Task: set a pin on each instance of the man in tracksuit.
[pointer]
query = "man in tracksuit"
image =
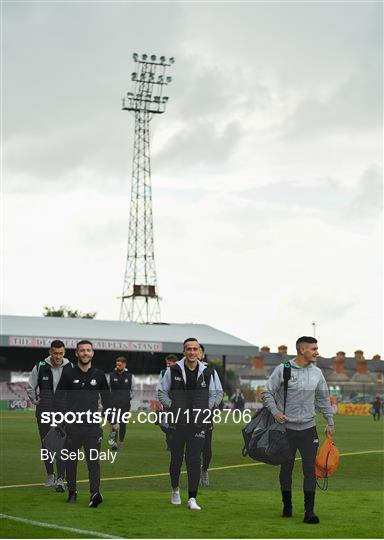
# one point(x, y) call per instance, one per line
point(41, 390)
point(207, 448)
point(122, 385)
point(170, 360)
point(187, 391)
point(79, 391)
point(307, 391)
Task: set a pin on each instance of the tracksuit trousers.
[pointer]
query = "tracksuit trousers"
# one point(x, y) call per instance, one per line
point(88, 437)
point(60, 464)
point(188, 440)
point(306, 442)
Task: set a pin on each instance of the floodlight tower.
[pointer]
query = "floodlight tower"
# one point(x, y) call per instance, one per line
point(140, 301)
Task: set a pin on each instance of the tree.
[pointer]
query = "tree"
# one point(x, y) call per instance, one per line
point(65, 311)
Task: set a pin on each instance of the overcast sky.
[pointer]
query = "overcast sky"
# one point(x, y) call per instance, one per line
point(266, 167)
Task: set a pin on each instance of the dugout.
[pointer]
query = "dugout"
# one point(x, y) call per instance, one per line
point(25, 340)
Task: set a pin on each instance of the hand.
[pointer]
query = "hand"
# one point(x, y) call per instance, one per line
point(330, 431)
point(115, 426)
point(280, 418)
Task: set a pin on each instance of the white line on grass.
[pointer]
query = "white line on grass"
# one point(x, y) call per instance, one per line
point(157, 475)
point(59, 527)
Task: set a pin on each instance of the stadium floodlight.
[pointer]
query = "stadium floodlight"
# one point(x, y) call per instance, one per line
point(172, 60)
point(169, 79)
point(140, 301)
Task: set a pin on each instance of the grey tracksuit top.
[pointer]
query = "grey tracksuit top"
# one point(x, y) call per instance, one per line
point(307, 393)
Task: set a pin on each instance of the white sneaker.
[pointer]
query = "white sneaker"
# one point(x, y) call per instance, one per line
point(175, 498)
point(192, 504)
point(50, 481)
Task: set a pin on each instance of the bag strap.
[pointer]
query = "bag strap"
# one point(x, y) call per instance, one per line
point(286, 377)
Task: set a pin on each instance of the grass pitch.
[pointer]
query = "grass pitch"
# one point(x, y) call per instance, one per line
point(243, 500)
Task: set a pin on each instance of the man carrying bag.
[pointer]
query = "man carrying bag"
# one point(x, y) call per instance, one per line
point(307, 390)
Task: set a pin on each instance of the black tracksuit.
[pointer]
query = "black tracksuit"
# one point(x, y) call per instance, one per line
point(79, 392)
point(121, 387)
point(188, 437)
point(48, 403)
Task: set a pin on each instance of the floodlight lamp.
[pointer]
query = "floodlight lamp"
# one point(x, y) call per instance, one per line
point(165, 99)
point(134, 76)
point(169, 79)
point(135, 56)
point(157, 99)
point(160, 79)
point(172, 60)
point(153, 58)
point(144, 56)
point(162, 59)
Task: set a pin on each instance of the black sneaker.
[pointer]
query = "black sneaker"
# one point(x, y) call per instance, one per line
point(95, 500)
point(310, 517)
point(287, 511)
point(72, 497)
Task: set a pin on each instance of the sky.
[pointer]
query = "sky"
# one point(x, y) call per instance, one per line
point(266, 166)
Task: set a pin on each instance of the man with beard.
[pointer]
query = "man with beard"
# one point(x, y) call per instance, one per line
point(79, 392)
point(122, 385)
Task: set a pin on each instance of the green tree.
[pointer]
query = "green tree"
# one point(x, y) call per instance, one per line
point(65, 311)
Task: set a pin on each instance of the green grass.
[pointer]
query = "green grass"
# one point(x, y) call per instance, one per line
point(242, 502)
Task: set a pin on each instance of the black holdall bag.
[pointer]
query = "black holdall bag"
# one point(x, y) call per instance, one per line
point(264, 439)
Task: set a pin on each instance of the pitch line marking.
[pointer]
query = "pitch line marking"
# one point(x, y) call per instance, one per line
point(157, 475)
point(59, 527)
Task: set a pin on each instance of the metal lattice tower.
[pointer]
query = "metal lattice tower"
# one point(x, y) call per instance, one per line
point(140, 301)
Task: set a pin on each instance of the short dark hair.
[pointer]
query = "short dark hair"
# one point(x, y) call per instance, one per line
point(305, 339)
point(190, 339)
point(121, 359)
point(202, 347)
point(171, 358)
point(57, 344)
point(84, 342)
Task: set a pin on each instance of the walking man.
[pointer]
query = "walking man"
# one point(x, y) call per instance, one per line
point(307, 390)
point(79, 391)
point(376, 407)
point(170, 360)
point(207, 448)
point(122, 385)
point(41, 390)
point(187, 391)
